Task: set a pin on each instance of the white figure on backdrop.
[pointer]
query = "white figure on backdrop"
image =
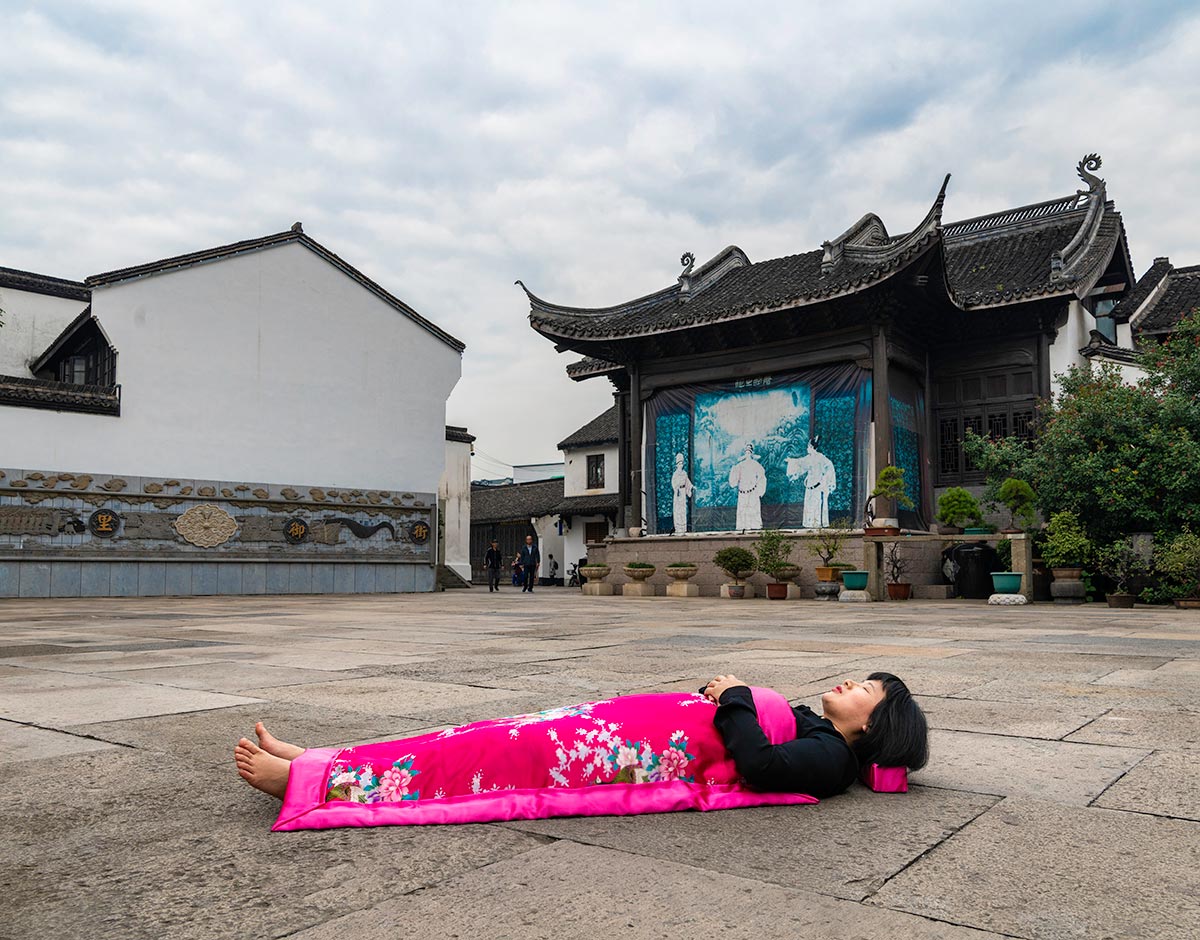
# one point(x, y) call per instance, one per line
point(820, 480)
point(682, 488)
point(750, 480)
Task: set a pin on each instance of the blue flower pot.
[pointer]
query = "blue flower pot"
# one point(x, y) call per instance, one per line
point(1007, 582)
point(855, 580)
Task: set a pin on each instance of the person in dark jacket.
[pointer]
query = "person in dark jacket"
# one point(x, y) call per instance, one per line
point(492, 562)
point(530, 558)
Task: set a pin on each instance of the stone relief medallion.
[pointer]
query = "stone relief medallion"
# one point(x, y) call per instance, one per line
point(419, 532)
point(206, 525)
point(104, 523)
point(295, 530)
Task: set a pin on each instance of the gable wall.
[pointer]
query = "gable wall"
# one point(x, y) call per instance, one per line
point(31, 323)
point(272, 366)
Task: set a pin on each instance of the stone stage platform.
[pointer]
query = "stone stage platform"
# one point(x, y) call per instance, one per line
point(1062, 799)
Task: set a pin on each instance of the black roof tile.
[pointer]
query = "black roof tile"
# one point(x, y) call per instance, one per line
point(44, 284)
point(515, 502)
point(1181, 296)
point(1141, 290)
point(602, 429)
point(600, 504)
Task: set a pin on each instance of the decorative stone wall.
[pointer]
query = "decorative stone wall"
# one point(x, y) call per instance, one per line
point(77, 534)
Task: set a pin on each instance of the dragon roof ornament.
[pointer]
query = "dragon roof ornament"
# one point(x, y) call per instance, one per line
point(1065, 263)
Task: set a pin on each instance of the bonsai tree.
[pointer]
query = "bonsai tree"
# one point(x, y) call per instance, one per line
point(958, 508)
point(888, 485)
point(1018, 497)
point(1067, 545)
point(829, 541)
point(736, 562)
point(1121, 561)
point(894, 563)
point(1179, 561)
point(772, 551)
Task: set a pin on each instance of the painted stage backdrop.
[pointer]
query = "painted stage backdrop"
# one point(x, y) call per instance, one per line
point(787, 450)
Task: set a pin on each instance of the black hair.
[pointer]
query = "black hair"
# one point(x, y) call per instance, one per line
point(897, 734)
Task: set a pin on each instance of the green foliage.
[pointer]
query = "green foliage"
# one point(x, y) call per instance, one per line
point(638, 564)
point(957, 507)
point(890, 485)
point(772, 550)
point(1004, 550)
point(1121, 561)
point(1018, 497)
point(829, 541)
point(1178, 562)
point(735, 562)
point(1067, 545)
point(682, 564)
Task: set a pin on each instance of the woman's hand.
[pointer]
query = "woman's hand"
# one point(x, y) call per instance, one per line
point(718, 684)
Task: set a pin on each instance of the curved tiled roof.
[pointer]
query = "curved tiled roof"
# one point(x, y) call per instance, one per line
point(602, 429)
point(1141, 291)
point(515, 502)
point(599, 504)
point(589, 366)
point(1177, 295)
point(43, 284)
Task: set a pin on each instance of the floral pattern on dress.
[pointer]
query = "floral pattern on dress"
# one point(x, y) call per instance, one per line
point(638, 762)
point(361, 784)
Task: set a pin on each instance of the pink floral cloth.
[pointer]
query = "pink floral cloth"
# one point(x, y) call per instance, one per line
point(633, 754)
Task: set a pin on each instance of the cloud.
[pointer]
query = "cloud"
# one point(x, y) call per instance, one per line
point(449, 149)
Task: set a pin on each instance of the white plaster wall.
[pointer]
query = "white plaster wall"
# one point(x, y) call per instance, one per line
point(1125, 335)
point(1064, 351)
point(575, 473)
point(454, 490)
point(31, 323)
point(574, 546)
point(269, 367)
point(549, 543)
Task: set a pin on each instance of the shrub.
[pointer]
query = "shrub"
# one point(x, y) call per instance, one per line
point(682, 564)
point(829, 541)
point(957, 507)
point(772, 551)
point(1018, 497)
point(735, 562)
point(1067, 546)
point(1120, 561)
point(638, 564)
point(890, 485)
point(1004, 550)
point(1178, 561)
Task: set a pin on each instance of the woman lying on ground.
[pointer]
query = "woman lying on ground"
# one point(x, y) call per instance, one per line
point(728, 746)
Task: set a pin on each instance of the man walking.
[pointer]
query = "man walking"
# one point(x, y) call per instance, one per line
point(530, 558)
point(491, 561)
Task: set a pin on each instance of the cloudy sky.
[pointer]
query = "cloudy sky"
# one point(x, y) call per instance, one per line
point(447, 149)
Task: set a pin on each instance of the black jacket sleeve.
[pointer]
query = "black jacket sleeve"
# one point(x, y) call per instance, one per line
point(819, 763)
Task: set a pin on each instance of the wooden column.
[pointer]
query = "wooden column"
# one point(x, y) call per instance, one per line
point(881, 409)
point(1045, 339)
point(622, 402)
point(635, 445)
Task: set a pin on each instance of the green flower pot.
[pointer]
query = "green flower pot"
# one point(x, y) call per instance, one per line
point(1006, 582)
point(977, 530)
point(855, 580)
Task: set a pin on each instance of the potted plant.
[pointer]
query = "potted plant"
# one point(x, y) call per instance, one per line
point(826, 546)
point(855, 579)
point(1018, 497)
point(772, 551)
point(594, 572)
point(895, 565)
point(889, 485)
point(738, 563)
point(681, 570)
point(1179, 561)
point(957, 508)
point(839, 570)
point(1066, 549)
point(1121, 561)
point(638, 570)
point(1006, 581)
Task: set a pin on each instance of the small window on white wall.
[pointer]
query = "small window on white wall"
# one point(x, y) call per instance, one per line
point(595, 472)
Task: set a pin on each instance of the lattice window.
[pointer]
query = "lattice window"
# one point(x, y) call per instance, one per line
point(595, 472)
point(948, 445)
point(997, 425)
point(1023, 425)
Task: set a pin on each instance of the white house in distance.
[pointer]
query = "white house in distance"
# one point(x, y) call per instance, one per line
point(259, 417)
point(589, 507)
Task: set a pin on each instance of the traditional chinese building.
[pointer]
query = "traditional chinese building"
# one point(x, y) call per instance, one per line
point(771, 393)
point(260, 417)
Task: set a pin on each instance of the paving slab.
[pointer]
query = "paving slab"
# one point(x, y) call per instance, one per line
point(1007, 718)
point(21, 743)
point(1073, 774)
point(1167, 783)
point(822, 850)
point(580, 892)
point(208, 737)
point(102, 661)
point(1161, 728)
point(222, 676)
point(100, 861)
point(1029, 868)
point(56, 700)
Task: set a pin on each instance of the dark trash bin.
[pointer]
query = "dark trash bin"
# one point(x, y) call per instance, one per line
point(969, 566)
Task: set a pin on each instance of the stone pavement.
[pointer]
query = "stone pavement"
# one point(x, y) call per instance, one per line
point(1062, 799)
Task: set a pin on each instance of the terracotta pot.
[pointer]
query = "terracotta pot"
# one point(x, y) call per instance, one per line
point(882, 530)
point(680, 572)
point(1121, 600)
point(899, 592)
point(638, 574)
point(736, 591)
point(949, 529)
point(1187, 603)
point(826, 574)
point(1011, 531)
point(777, 592)
point(1067, 574)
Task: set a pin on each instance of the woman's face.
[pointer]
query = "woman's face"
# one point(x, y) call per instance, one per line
point(850, 704)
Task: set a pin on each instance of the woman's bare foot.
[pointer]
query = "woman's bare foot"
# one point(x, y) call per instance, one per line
point(272, 745)
point(261, 770)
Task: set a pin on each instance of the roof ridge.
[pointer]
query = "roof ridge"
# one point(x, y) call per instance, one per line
point(1031, 213)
